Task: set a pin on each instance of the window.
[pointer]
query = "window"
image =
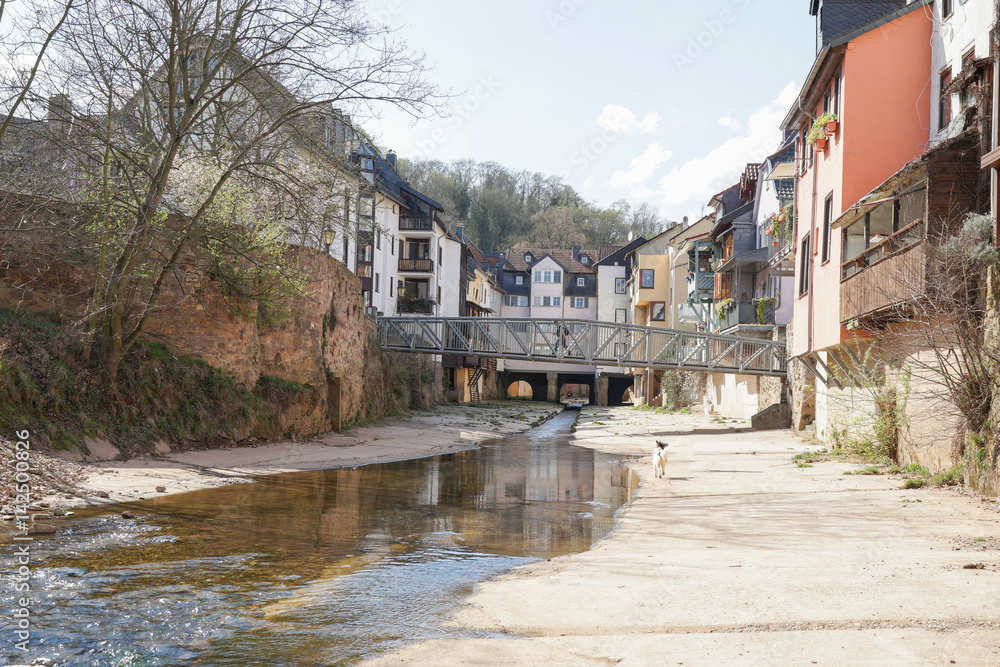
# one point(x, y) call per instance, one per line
point(439, 295)
point(440, 251)
point(527, 258)
point(584, 259)
point(581, 281)
point(806, 264)
point(390, 289)
point(537, 301)
point(836, 93)
point(581, 302)
point(947, 7)
point(517, 301)
point(658, 310)
point(827, 227)
point(546, 301)
point(519, 280)
point(548, 276)
point(392, 245)
point(944, 104)
point(646, 278)
point(557, 301)
point(376, 282)
point(378, 242)
point(620, 285)
point(620, 315)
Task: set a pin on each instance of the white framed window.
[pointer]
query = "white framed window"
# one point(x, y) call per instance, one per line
point(557, 301)
point(546, 301)
point(581, 281)
point(376, 282)
point(519, 280)
point(557, 276)
point(620, 315)
point(619, 285)
point(580, 302)
point(538, 276)
point(537, 301)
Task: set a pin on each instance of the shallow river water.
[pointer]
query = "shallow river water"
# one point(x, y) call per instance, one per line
point(317, 568)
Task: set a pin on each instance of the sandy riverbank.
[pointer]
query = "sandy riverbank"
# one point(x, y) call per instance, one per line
point(440, 430)
point(741, 557)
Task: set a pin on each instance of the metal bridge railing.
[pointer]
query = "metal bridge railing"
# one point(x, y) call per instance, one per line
point(582, 342)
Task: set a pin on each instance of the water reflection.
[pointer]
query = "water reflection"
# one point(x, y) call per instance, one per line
point(323, 567)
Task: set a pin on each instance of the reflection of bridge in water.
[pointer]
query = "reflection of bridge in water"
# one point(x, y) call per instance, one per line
point(583, 342)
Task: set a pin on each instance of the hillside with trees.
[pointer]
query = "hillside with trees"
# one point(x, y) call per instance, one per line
point(500, 207)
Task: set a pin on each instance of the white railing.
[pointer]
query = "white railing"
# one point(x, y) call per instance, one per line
point(582, 342)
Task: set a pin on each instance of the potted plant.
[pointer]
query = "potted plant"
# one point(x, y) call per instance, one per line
point(722, 308)
point(763, 305)
point(821, 143)
point(818, 130)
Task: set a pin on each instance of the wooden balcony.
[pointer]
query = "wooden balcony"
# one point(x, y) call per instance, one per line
point(884, 280)
point(416, 266)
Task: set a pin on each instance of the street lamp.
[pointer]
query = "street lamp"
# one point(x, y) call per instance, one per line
point(328, 236)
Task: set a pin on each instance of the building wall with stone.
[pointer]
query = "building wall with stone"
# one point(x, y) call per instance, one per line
point(324, 341)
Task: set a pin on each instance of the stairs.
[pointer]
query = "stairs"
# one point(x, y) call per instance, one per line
point(485, 365)
point(474, 384)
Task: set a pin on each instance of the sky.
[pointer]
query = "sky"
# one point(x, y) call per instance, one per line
point(656, 101)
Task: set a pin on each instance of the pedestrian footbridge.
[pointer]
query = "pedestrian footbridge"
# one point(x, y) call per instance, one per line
point(582, 342)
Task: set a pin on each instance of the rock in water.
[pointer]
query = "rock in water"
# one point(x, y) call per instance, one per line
point(41, 529)
point(161, 489)
point(127, 515)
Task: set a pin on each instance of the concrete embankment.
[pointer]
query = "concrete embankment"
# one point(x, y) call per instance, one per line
point(742, 557)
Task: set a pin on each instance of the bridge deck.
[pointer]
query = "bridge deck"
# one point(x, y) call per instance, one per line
point(582, 342)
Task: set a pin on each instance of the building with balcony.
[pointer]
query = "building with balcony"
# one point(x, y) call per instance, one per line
point(871, 198)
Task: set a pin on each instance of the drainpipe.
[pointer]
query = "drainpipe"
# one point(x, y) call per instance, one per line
point(813, 244)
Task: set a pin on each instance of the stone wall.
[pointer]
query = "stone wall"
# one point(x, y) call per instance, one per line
point(325, 342)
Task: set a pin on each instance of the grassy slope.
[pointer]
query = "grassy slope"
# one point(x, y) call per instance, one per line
point(45, 386)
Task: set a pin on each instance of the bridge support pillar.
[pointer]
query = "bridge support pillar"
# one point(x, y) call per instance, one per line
point(553, 393)
point(602, 391)
point(650, 386)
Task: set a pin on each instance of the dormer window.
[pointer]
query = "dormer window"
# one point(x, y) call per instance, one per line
point(527, 258)
point(584, 259)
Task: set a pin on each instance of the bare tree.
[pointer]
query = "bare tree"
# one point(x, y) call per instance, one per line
point(217, 126)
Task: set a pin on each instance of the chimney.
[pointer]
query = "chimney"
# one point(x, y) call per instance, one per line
point(685, 222)
point(576, 252)
point(59, 108)
point(390, 157)
point(459, 229)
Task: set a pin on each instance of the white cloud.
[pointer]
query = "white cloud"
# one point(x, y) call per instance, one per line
point(688, 187)
point(623, 121)
point(641, 168)
point(727, 121)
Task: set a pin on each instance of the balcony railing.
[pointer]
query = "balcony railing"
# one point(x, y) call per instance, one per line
point(890, 279)
point(745, 312)
point(412, 306)
point(416, 265)
point(411, 224)
point(704, 287)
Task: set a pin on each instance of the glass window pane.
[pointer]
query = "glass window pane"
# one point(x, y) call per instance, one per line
point(911, 208)
point(881, 222)
point(855, 242)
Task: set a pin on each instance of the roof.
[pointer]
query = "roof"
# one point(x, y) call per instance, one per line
point(619, 254)
point(606, 251)
point(726, 221)
point(841, 17)
point(564, 257)
point(393, 186)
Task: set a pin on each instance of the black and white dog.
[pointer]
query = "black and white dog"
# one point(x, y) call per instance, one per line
point(660, 459)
